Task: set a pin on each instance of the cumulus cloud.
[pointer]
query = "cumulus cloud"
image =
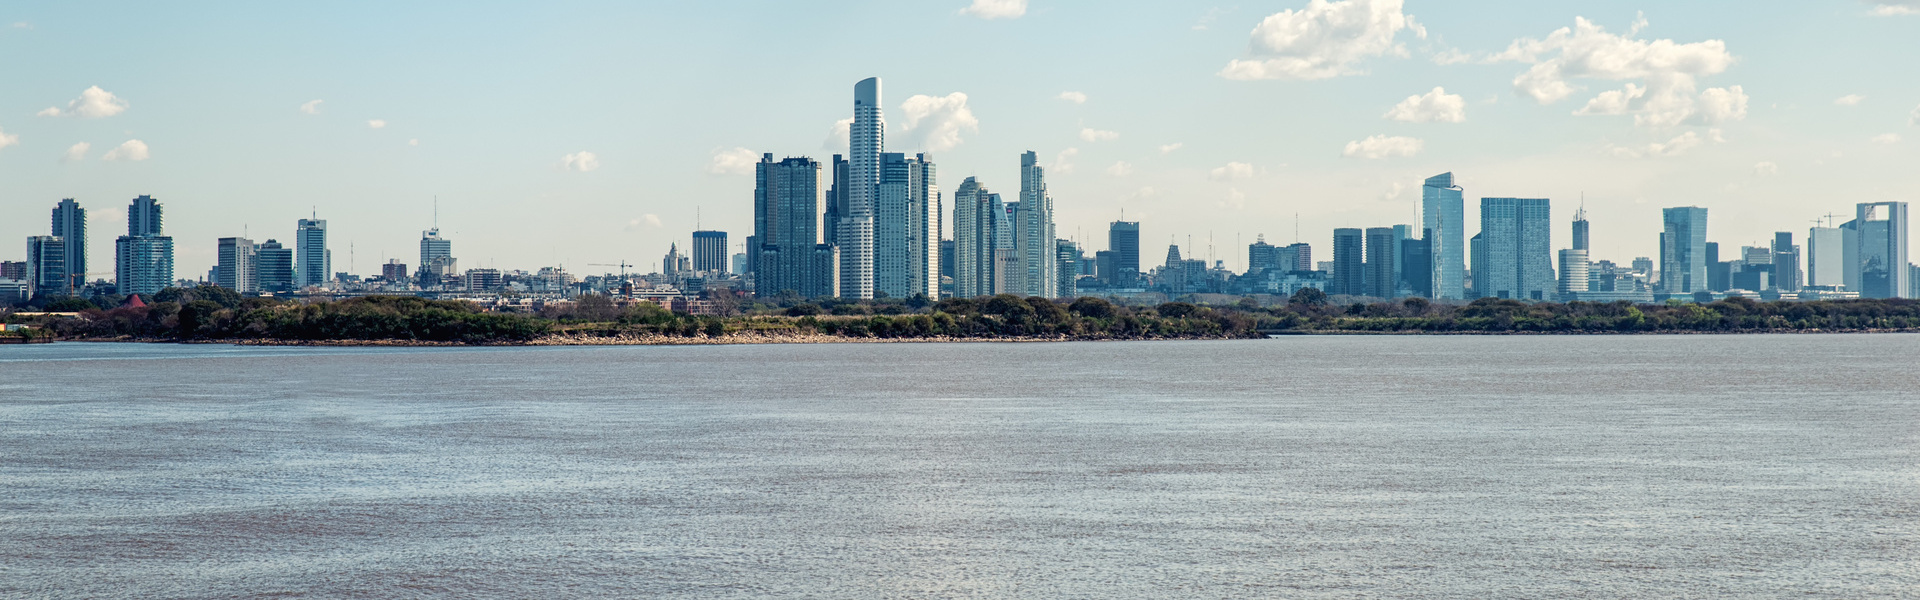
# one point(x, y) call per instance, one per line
point(376, 123)
point(8, 139)
point(1673, 147)
point(1765, 169)
point(651, 219)
point(1074, 97)
point(737, 161)
point(93, 103)
point(1381, 146)
point(76, 152)
point(1120, 169)
point(1849, 100)
point(934, 123)
point(1325, 39)
point(1887, 138)
point(1669, 94)
point(839, 136)
point(579, 162)
point(1097, 135)
point(1236, 199)
point(996, 9)
point(1889, 8)
point(1230, 172)
point(1169, 148)
point(1436, 106)
point(311, 107)
point(1063, 162)
point(413, 142)
point(135, 150)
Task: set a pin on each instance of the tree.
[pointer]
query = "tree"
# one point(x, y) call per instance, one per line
point(1176, 310)
point(1088, 306)
point(1309, 297)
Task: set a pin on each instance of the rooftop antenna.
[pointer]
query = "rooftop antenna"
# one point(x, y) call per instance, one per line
point(436, 212)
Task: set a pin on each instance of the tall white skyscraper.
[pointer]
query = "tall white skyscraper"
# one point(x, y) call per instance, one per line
point(866, 140)
point(906, 230)
point(1443, 224)
point(1034, 236)
point(980, 240)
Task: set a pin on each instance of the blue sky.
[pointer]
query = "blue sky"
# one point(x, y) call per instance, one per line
point(567, 133)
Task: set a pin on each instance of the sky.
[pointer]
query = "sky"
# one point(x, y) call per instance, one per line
point(580, 134)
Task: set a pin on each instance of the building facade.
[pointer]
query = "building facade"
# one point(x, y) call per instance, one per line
point(70, 225)
point(1123, 239)
point(1683, 250)
point(1034, 236)
point(866, 140)
point(710, 252)
point(47, 266)
point(1443, 224)
point(1349, 262)
point(274, 265)
point(236, 269)
point(981, 240)
point(314, 266)
point(786, 244)
point(1516, 239)
point(906, 227)
point(143, 258)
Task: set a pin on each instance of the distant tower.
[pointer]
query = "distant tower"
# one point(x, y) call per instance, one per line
point(785, 251)
point(1035, 234)
point(710, 251)
point(143, 258)
point(70, 225)
point(1443, 222)
point(314, 264)
point(1683, 250)
point(1574, 261)
point(866, 140)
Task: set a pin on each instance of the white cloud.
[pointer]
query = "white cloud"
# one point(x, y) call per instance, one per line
point(76, 152)
point(1765, 169)
point(1325, 39)
point(1169, 148)
point(413, 142)
point(1436, 106)
point(377, 123)
point(1232, 171)
point(131, 150)
point(580, 162)
point(1669, 70)
point(1914, 117)
point(996, 9)
point(1381, 146)
point(1074, 97)
point(1236, 199)
point(1120, 169)
point(1889, 8)
point(1849, 100)
point(934, 122)
point(22, 25)
point(1451, 56)
point(93, 103)
point(1887, 138)
point(738, 161)
point(1674, 147)
point(839, 136)
point(1143, 193)
point(8, 139)
point(311, 107)
point(651, 219)
point(1097, 135)
point(1063, 162)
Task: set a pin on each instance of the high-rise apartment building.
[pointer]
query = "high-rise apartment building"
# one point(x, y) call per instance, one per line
point(836, 201)
point(70, 225)
point(1516, 240)
point(237, 269)
point(1574, 261)
point(982, 240)
point(1382, 256)
point(314, 265)
point(710, 252)
point(1349, 262)
point(1443, 222)
point(274, 266)
point(436, 259)
point(1035, 235)
point(786, 246)
point(1123, 239)
point(1786, 262)
point(1826, 257)
point(47, 267)
point(1067, 265)
point(393, 270)
point(1683, 250)
point(906, 236)
point(866, 140)
point(143, 258)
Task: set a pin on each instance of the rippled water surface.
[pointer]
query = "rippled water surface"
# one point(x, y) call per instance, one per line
point(1305, 467)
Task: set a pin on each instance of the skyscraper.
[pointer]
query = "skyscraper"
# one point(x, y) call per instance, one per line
point(786, 244)
point(710, 251)
point(143, 258)
point(70, 225)
point(47, 266)
point(1880, 234)
point(1443, 223)
point(274, 266)
point(1034, 238)
point(905, 236)
point(866, 140)
point(1068, 268)
point(1517, 242)
point(315, 263)
point(1826, 259)
point(1786, 262)
point(980, 239)
point(237, 269)
point(1683, 250)
point(1574, 261)
point(1349, 262)
point(1382, 253)
point(836, 201)
point(436, 259)
point(1123, 238)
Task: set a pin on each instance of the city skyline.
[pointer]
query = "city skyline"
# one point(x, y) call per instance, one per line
point(1271, 143)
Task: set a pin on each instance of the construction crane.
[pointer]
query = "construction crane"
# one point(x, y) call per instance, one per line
point(623, 267)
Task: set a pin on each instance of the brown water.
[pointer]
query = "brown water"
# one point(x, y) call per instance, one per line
point(1305, 467)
